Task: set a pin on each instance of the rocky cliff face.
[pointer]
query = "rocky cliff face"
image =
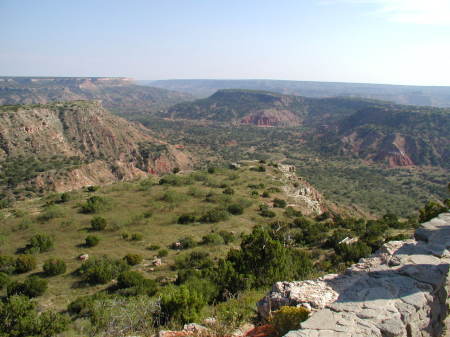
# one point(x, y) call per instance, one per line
point(401, 290)
point(394, 135)
point(108, 148)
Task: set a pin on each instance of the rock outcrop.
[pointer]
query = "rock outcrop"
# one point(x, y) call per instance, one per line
point(300, 193)
point(401, 290)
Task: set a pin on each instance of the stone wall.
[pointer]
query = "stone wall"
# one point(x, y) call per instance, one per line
point(401, 290)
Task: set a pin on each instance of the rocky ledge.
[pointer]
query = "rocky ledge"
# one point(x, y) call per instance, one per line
point(401, 290)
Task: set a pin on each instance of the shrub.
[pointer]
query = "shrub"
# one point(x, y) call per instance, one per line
point(54, 267)
point(235, 209)
point(288, 318)
point(292, 213)
point(215, 215)
point(234, 312)
point(80, 304)
point(279, 203)
point(51, 212)
point(137, 283)
point(7, 264)
point(431, 210)
point(217, 198)
point(194, 261)
point(101, 270)
point(94, 204)
point(265, 194)
point(133, 259)
point(5, 203)
point(181, 304)
point(266, 213)
point(25, 263)
point(98, 223)
point(175, 180)
point(128, 279)
point(212, 239)
point(211, 170)
point(273, 189)
point(33, 286)
point(258, 169)
point(154, 247)
point(92, 188)
point(39, 243)
point(175, 170)
point(227, 237)
point(186, 219)
point(173, 197)
point(19, 318)
point(185, 243)
point(136, 237)
point(65, 197)
point(147, 214)
point(228, 191)
point(4, 280)
point(353, 252)
point(91, 241)
point(163, 253)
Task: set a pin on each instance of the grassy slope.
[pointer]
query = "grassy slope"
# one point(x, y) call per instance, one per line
point(127, 202)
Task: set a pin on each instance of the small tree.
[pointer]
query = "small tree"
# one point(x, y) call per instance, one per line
point(98, 223)
point(54, 267)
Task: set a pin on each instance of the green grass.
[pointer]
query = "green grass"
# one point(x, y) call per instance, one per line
point(129, 206)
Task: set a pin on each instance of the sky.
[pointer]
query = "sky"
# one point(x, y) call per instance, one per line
point(366, 41)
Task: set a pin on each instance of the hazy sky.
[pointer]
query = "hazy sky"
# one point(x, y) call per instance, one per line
point(378, 41)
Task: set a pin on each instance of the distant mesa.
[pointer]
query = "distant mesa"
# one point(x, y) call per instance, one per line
point(120, 94)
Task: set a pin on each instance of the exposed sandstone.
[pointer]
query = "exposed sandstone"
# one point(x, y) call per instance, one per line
point(300, 193)
point(401, 290)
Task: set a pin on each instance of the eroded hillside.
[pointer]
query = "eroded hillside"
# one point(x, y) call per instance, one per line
point(63, 146)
